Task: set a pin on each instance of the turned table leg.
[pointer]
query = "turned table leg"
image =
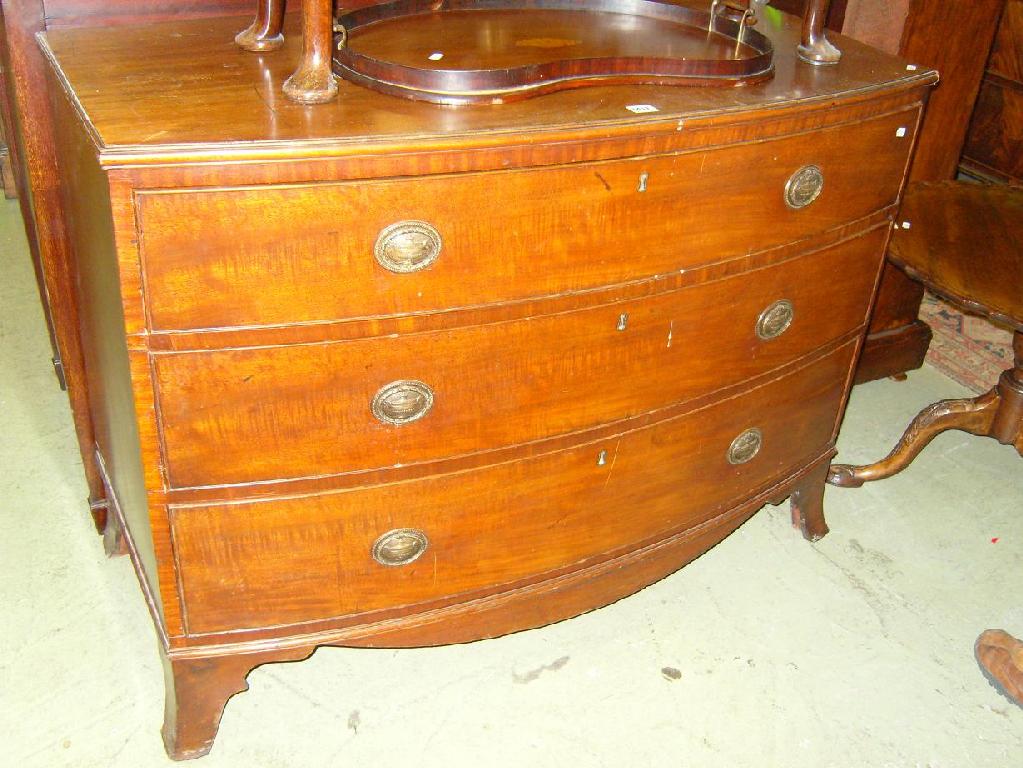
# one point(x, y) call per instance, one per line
point(264, 34)
point(807, 504)
point(314, 81)
point(1007, 424)
point(197, 690)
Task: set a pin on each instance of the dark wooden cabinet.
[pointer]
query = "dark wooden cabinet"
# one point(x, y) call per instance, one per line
point(994, 143)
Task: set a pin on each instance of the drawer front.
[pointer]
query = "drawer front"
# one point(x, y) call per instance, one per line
point(288, 254)
point(291, 560)
point(235, 416)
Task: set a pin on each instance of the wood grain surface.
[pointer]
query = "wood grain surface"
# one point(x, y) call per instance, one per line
point(266, 413)
point(994, 142)
point(942, 247)
point(187, 83)
point(293, 560)
point(954, 37)
point(231, 257)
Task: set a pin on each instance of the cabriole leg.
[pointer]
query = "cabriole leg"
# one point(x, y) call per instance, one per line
point(997, 414)
point(815, 47)
point(314, 81)
point(264, 34)
point(974, 415)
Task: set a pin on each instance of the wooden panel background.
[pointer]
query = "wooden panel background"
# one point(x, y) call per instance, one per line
point(994, 144)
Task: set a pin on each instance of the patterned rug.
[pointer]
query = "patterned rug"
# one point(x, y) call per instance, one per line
point(967, 349)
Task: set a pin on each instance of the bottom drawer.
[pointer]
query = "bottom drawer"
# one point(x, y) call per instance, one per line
point(292, 560)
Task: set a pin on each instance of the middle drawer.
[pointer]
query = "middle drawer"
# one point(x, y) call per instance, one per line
point(267, 413)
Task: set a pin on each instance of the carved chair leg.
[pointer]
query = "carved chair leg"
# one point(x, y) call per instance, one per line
point(264, 34)
point(197, 690)
point(314, 81)
point(807, 504)
point(974, 415)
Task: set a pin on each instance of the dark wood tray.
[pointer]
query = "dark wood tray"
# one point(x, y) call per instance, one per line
point(493, 51)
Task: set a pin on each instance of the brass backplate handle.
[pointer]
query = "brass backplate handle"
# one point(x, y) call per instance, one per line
point(775, 320)
point(400, 547)
point(407, 246)
point(402, 402)
point(745, 446)
point(804, 186)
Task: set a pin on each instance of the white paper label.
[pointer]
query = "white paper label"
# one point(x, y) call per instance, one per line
point(642, 109)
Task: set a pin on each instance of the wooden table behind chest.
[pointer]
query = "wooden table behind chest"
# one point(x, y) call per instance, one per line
point(382, 373)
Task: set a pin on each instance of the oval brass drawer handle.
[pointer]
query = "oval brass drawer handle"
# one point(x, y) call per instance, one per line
point(745, 446)
point(402, 402)
point(407, 246)
point(804, 186)
point(775, 320)
point(400, 547)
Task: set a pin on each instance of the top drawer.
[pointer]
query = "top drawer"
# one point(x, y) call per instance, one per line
point(287, 254)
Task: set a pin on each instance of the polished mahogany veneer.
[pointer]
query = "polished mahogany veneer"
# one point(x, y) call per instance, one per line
point(383, 373)
point(559, 373)
point(530, 249)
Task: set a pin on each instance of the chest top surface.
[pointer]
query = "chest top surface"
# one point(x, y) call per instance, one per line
point(167, 90)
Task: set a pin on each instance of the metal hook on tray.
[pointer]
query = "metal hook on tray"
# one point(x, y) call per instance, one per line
point(713, 14)
point(748, 18)
point(739, 11)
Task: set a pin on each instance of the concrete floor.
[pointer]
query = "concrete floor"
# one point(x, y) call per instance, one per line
point(767, 651)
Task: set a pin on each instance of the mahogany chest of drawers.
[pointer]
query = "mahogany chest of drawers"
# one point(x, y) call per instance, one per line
point(387, 374)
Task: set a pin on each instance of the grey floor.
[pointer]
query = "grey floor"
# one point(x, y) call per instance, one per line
point(767, 651)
